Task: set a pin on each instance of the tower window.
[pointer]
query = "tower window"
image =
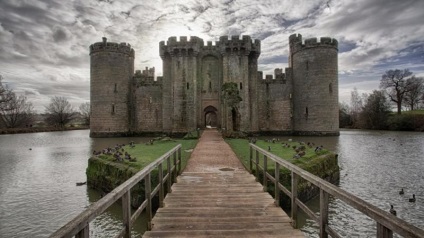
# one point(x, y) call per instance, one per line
point(307, 65)
point(116, 88)
point(210, 86)
point(113, 109)
point(330, 87)
point(306, 112)
point(241, 85)
point(188, 86)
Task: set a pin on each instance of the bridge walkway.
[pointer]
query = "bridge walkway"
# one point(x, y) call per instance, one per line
point(216, 197)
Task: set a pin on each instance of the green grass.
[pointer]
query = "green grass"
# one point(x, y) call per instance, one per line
point(241, 148)
point(414, 112)
point(146, 154)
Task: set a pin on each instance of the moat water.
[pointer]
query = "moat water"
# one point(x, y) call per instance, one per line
point(39, 172)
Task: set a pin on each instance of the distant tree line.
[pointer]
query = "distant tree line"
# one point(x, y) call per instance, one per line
point(17, 112)
point(399, 88)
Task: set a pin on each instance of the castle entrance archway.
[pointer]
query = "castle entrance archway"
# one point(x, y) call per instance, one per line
point(211, 117)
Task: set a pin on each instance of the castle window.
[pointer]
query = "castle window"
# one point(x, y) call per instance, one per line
point(113, 109)
point(307, 65)
point(306, 112)
point(188, 86)
point(241, 85)
point(210, 86)
point(178, 64)
point(330, 88)
point(116, 88)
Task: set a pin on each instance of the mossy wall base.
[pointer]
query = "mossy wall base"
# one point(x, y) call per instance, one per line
point(105, 176)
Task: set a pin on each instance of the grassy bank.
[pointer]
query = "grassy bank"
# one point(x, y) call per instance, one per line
point(39, 129)
point(241, 148)
point(104, 173)
point(323, 164)
point(146, 153)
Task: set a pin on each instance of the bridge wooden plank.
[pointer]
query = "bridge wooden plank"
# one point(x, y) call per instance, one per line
point(217, 197)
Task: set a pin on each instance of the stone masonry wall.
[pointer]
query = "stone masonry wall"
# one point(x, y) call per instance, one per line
point(315, 85)
point(112, 67)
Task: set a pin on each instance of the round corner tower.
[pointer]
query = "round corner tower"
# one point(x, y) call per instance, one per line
point(315, 85)
point(111, 71)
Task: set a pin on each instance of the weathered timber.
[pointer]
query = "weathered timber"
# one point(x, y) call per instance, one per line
point(216, 197)
point(206, 205)
point(79, 226)
point(387, 224)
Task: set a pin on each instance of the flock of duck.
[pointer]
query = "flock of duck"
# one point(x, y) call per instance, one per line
point(401, 192)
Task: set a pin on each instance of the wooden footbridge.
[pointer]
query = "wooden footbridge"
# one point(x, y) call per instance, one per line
point(216, 197)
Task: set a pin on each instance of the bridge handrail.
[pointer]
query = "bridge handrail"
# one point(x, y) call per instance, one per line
point(79, 226)
point(386, 222)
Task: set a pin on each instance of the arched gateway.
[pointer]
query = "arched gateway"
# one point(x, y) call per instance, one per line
point(211, 117)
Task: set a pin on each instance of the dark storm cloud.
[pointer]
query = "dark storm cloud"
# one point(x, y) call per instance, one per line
point(44, 44)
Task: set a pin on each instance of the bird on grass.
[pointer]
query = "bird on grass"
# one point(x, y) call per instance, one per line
point(392, 210)
point(412, 199)
point(401, 192)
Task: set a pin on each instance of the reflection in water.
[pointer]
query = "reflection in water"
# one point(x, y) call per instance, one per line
point(375, 165)
point(38, 176)
point(38, 192)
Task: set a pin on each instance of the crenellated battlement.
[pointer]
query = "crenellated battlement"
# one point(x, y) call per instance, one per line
point(146, 77)
point(232, 44)
point(278, 77)
point(296, 43)
point(105, 46)
point(236, 44)
point(183, 46)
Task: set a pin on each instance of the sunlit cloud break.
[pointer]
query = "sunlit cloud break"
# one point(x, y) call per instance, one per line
point(44, 44)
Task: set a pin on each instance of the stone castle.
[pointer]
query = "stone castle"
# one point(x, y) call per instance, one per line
point(302, 100)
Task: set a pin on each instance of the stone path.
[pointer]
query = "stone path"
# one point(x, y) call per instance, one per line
point(216, 197)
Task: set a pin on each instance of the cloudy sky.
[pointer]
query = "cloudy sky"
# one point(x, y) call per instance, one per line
point(44, 43)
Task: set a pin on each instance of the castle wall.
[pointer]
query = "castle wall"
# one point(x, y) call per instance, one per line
point(149, 106)
point(274, 103)
point(239, 68)
point(315, 85)
point(210, 82)
point(111, 70)
point(303, 100)
point(181, 75)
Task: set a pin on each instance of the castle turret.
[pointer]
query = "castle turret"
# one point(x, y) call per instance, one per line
point(111, 71)
point(179, 83)
point(315, 85)
point(240, 65)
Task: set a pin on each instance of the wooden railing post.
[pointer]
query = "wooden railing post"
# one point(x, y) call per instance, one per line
point(161, 186)
point(265, 171)
point(126, 213)
point(84, 233)
point(250, 159)
point(383, 232)
point(257, 165)
point(179, 161)
point(323, 211)
point(276, 187)
point(174, 174)
point(294, 183)
point(148, 190)
point(169, 174)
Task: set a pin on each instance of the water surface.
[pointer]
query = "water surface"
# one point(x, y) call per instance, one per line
point(39, 172)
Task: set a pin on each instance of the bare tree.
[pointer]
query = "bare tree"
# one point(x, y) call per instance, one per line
point(5, 94)
point(396, 84)
point(85, 112)
point(415, 92)
point(17, 112)
point(59, 111)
